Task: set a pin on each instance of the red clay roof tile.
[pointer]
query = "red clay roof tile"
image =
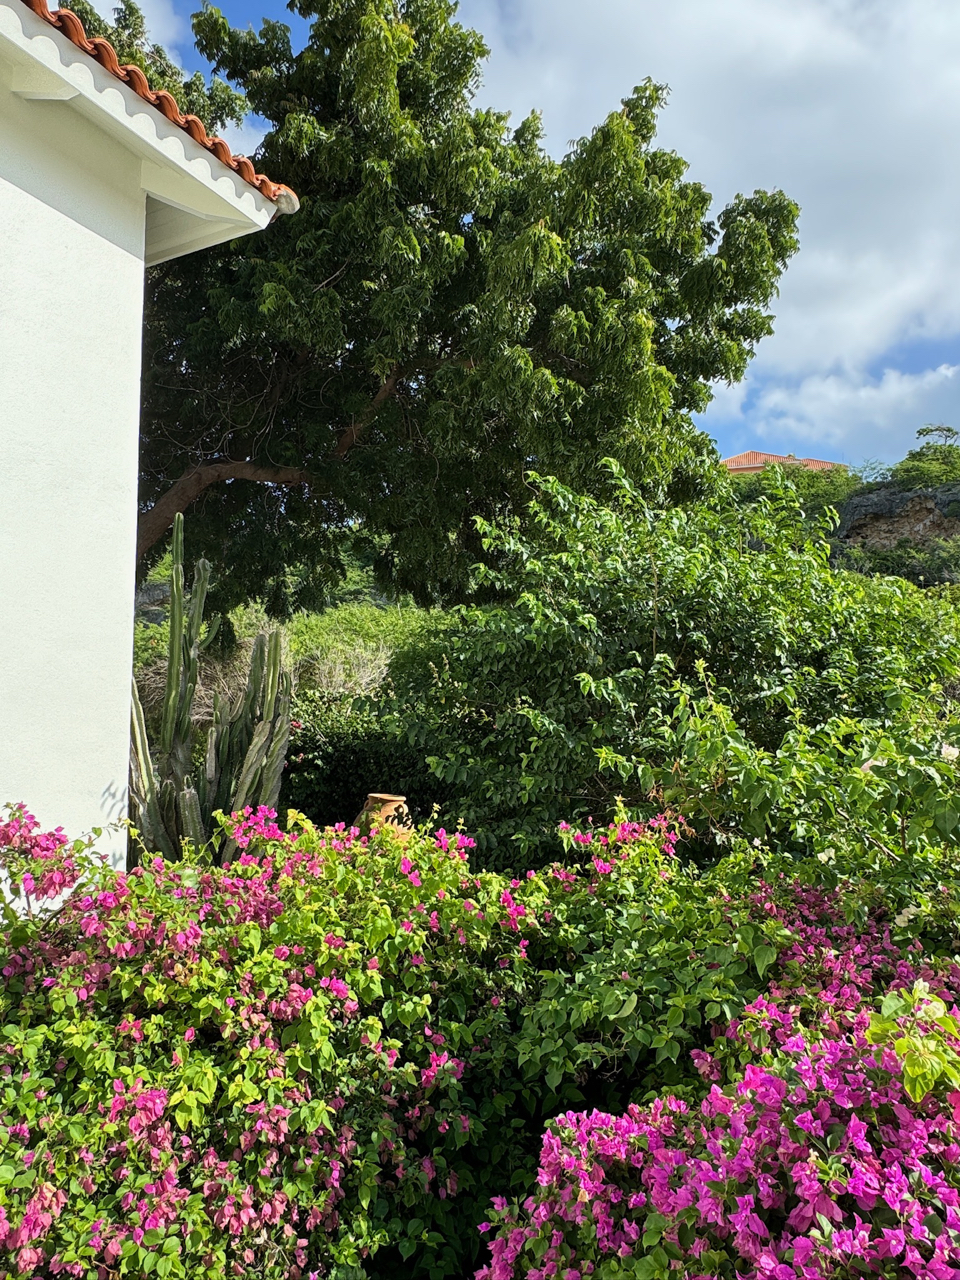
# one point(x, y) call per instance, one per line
point(753, 459)
point(103, 51)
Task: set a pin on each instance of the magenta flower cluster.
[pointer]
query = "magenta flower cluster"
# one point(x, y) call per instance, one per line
point(38, 862)
point(214, 1070)
point(277, 1067)
point(810, 1162)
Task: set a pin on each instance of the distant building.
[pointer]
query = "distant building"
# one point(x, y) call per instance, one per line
point(752, 461)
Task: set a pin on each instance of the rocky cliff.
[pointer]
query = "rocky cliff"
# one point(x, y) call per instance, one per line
point(882, 518)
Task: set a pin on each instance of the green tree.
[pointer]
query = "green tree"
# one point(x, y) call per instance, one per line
point(816, 490)
point(935, 462)
point(213, 102)
point(926, 564)
point(450, 307)
point(940, 432)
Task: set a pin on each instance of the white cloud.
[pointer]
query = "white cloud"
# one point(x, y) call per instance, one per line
point(851, 107)
point(169, 28)
point(244, 139)
point(853, 415)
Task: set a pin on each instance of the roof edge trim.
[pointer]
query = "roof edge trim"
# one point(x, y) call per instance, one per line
point(103, 52)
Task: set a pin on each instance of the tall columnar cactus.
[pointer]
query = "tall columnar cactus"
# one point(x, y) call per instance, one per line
point(173, 793)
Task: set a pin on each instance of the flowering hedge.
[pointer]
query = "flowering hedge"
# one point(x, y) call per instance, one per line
point(828, 1143)
point(323, 1058)
point(330, 1052)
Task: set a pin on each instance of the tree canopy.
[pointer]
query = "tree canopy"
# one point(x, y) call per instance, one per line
point(450, 309)
point(935, 461)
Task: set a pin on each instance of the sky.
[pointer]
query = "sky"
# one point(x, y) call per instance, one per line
point(850, 106)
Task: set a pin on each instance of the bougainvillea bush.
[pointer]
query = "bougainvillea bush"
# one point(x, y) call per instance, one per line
point(326, 1057)
point(827, 1143)
point(329, 1053)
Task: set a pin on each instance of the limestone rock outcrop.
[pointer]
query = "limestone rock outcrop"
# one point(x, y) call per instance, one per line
point(882, 518)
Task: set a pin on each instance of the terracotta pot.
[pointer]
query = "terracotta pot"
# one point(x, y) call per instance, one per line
point(383, 810)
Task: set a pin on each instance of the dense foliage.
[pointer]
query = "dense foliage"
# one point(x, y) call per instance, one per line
point(336, 1046)
point(814, 1154)
point(934, 462)
point(449, 307)
point(925, 561)
point(327, 1058)
point(340, 751)
point(926, 564)
point(346, 650)
point(816, 490)
point(340, 748)
point(709, 655)
point(724, 1046)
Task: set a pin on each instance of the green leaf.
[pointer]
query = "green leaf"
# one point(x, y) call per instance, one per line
point(763, 958)
point(627, 1008)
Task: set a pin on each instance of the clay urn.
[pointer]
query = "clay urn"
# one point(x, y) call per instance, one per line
point(382, 810)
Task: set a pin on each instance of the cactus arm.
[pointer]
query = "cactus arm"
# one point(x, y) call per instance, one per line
point(253, 694)
point(276, 753)
point(144, 775)
point(144, 801)
point(171, 698)
point(252, 766)
point(184, 734)
point(191, 819)
point(274, 762)
point(198, 599)
point(272, 674)
point(212, 631)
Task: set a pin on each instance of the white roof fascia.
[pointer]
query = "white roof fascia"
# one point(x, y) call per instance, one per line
point(214, 203)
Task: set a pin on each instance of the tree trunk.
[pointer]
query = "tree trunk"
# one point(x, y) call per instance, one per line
point(359, 425)
point(154, 523)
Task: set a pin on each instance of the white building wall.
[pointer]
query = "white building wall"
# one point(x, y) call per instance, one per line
point(71, 285)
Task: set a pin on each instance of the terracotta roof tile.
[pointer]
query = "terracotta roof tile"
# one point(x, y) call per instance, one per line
point(754, 459)
point(103, 51)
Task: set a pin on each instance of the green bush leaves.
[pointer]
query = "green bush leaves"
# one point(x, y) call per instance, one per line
point(709, 657)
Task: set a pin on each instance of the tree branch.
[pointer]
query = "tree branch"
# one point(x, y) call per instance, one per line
point(154, 523)
point(359, 425)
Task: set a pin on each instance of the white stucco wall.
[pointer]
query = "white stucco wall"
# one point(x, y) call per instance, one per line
point(94, 181)
point(71, 287)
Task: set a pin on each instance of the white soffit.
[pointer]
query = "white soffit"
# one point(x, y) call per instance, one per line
point(195, 200)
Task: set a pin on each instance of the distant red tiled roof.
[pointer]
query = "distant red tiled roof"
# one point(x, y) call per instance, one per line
point(103, 51)
point(754, 461)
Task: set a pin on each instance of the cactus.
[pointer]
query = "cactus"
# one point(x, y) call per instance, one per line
point(171, 798)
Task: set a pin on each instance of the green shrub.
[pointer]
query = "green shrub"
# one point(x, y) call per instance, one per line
point(816, 490)
point(928, 466)
point(151, 641)
point(315, 634)
point(340, 751)
point(850, 788)
point(346, 650)
point(558, 702)
point(925, 564)
point(812, 1154)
